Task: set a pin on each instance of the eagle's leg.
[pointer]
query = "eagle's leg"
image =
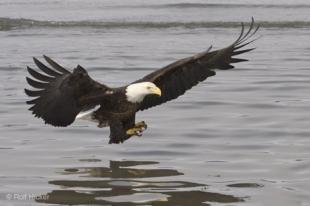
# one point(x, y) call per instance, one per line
point(137, 129)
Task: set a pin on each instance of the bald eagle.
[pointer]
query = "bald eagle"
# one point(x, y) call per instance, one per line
point(61, 96)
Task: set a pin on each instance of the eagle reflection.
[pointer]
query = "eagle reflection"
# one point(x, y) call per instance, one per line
point(121, 185)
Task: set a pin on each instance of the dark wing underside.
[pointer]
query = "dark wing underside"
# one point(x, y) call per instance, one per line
point(183, 74)
point(60, 95)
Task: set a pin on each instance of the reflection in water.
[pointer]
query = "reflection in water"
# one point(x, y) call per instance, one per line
point(119, 187)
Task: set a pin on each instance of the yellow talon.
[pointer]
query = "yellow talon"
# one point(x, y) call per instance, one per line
point(132, 131)
point(137, 129)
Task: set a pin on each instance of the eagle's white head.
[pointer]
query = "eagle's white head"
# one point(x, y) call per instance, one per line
point(135, 93)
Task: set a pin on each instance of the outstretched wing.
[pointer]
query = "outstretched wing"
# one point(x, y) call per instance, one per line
point(176, 78)
point(62, 94)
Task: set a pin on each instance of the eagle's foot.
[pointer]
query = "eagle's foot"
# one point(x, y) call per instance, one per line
point(141, 125)
point(137, 129)
point(134, 131)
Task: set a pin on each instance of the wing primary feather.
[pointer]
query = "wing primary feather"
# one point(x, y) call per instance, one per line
point(45, 69)
point(56, 65)
point(256, 29)
point(33, 93)
point(249, 30)
point(36, 84)
point(248, 35)
point(31, 109)
point(240, 35)
point(243, 41)
point(33, 101)
point(243, 45)
point(39, 76)
point(236, 60)
point(242, 51)
point(247, 38)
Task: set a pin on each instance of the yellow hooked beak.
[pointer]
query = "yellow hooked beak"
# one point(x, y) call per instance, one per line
point(156, 90)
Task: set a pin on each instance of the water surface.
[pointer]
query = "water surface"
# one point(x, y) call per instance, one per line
point(239, 138)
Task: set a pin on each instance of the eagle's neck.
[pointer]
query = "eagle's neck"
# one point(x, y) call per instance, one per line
point(135, 93)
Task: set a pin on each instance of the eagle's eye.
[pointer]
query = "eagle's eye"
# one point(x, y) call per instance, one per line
point(148, 87)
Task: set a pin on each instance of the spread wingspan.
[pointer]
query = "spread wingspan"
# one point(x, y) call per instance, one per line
point(59, 93)
point(178, 77)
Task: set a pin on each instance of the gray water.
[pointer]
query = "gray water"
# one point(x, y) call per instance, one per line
point(239, 138)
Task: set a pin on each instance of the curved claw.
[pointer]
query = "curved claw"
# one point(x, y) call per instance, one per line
point(139, 134)
point(141, 125)
point(137, 130)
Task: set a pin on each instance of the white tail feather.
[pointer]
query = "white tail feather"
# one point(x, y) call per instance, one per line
point(87, 115)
